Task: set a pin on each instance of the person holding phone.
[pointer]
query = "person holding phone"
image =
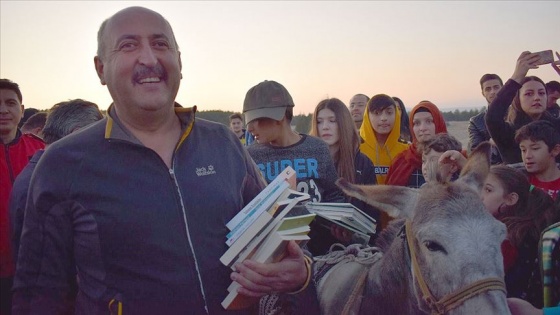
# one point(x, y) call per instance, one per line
point(528, 99)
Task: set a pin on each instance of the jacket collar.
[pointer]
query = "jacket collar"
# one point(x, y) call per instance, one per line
point(114, 128)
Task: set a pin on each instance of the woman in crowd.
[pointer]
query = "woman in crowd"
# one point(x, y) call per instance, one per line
point(526, 211)
point(333, 123)
point(425, 122)
point(405, 130)
point(528, 99)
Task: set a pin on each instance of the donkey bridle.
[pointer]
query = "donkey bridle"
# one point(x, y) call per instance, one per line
point(456, 298)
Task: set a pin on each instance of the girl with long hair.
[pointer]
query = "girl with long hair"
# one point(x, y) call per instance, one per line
point(333, 123)
point(526, 99)
point(526, 211)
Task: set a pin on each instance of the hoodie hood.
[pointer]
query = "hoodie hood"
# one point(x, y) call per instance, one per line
point(436, 114)
point(381, 154)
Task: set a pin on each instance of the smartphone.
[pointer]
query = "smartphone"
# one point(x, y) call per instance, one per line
point(546, 57)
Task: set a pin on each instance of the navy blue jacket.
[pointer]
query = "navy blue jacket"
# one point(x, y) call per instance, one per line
point(136, 232)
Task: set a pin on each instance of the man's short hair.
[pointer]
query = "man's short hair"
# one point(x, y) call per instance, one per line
point(490, 76)
point(441, 143)
point(552, 86)
point(27, 113)
point(360, 94)
point(66, 117)
point(235, 116)
point(537, 131)
point(380, 102)
point(101, 32)
point(6, 84)
point(36, 121)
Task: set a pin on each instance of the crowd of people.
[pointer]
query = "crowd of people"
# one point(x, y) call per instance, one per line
point(127, 211)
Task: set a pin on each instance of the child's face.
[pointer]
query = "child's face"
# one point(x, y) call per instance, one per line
point(327, 127)
point(536, 156)
point(432, 157)
point(423, 126)
point(265, 130)
point(382, 121)
point(493, 194)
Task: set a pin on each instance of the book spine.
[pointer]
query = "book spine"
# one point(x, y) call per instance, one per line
point(263, 206)
point(282, 177)
point(245, 252)
point(261, 226)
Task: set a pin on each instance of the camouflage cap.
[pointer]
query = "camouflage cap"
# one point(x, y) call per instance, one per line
point(268, 99)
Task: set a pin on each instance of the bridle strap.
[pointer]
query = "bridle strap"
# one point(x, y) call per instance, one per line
point(454, 299)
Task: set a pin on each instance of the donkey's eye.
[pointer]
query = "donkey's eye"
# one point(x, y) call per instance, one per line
point(434, 247)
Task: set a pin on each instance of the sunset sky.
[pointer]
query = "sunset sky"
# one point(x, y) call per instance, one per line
point(415, 50)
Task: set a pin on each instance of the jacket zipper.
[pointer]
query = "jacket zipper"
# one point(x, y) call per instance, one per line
point(172, 174)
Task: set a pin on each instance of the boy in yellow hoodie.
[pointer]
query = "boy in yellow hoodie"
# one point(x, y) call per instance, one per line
point(380, 131)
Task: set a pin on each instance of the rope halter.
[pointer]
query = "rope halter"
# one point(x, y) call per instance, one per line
point(456, 298)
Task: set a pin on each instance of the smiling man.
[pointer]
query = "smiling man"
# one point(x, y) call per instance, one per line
point(125, 205)
point(15, 151)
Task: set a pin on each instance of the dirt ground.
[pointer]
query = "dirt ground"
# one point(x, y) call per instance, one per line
point(458, 129)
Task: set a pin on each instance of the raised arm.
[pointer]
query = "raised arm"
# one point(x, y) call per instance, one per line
point(556, 64)
point(501, 132)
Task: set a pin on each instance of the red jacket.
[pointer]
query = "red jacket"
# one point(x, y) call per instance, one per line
point(14, 156)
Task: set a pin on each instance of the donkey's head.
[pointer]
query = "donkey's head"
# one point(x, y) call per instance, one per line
point(455, 240)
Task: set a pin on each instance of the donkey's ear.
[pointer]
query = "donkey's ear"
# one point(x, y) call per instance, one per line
point(396, 201)
point(478, 165)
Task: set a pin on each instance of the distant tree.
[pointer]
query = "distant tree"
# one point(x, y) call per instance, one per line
point(215, 115)
point(302, 123)
point(457, 115)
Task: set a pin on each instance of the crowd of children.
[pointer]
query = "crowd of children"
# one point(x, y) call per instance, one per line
point(521, 188)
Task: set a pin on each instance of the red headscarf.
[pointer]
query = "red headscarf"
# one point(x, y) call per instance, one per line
point(409, 160)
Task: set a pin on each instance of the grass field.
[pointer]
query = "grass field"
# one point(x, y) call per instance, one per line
point(458, 129)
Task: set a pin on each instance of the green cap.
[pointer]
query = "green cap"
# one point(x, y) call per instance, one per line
point(268, 99)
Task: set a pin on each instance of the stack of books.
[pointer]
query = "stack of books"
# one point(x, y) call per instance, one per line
point(262, 229)
point(344, 215)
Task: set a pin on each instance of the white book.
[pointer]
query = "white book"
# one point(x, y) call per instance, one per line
point(271, 249)
point(265, 203)
point(273, 246)
point(241, 249)
point(288, 174)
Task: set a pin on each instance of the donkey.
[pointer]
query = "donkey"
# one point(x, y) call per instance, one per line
point(442, 256)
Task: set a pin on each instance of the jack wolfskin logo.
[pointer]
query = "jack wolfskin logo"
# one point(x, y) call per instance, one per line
point(204, 171)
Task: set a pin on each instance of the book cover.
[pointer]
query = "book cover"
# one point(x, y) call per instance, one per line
point(240, 250)
point(274, 245)
point(287, 175)
point(272, 249)
point(251, 216)
point(276, 233)
point(345, 215)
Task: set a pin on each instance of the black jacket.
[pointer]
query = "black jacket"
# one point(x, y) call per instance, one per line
point(503, 132)
point(479, 133)
point(137, 232)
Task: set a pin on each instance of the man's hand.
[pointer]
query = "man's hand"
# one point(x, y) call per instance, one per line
point(287, 275)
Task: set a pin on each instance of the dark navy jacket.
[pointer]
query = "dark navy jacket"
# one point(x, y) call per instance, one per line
point(106, 207)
